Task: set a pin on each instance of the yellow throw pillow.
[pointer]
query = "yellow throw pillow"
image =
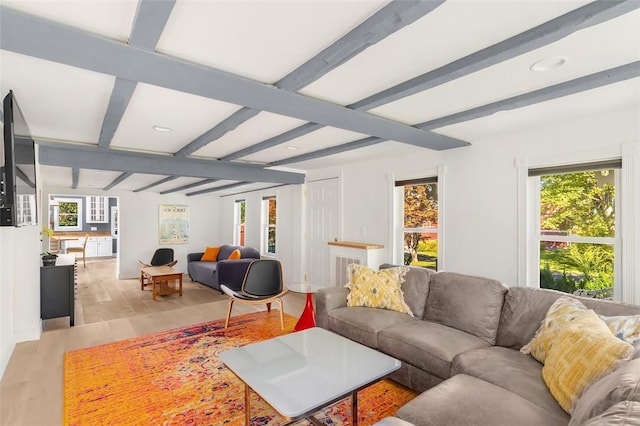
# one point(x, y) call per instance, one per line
point(560, 314)
point(210, 254)
point(626, 328)
point(235, 255)
point(377, 289)
point(583, 352)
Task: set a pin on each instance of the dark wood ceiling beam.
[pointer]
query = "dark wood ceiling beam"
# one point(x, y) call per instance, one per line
point(44, 39)
point(70, 155)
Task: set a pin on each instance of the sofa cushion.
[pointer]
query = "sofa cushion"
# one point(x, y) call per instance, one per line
point(415, 287)
point(377, 289)
point(225, 251)
point(584, 351)
point(210, 254)
point(525, 308)
point(427, 345)
point(363, 324)
point(625, 413)
point(523, 311)
point(470, 304)
point(511, 370)
point(626, 328)
point(235, 255)
point(621, 385)
point(469, 401)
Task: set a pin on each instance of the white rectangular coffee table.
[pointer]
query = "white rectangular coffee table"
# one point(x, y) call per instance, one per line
point(300, 373)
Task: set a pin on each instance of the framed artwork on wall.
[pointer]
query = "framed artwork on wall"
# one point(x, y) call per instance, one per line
point(174, 224)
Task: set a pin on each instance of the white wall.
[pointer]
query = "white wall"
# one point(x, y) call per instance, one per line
point(289, 219)
point(19, 288)
point(481, 191)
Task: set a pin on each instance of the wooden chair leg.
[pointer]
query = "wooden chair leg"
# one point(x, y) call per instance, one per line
point(226, 323)
point(281, 314)
point(269, 307)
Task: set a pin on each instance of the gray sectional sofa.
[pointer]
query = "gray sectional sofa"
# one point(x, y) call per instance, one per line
point(223, 271)
point(461, 350)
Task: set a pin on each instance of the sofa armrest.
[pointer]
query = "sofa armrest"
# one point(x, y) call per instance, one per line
point(328, 299)
point(231, 272)
point(194, 256)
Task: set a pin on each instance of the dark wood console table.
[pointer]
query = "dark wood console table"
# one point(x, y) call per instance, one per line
point(57, 289)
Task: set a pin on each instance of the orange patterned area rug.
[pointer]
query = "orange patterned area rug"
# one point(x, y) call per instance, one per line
point(175, 378)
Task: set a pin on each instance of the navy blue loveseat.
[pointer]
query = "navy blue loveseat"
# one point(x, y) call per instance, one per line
point(223, 271)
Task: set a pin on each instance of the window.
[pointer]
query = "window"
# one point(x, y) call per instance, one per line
point(419, 214)
point(26, 209)
point(68, 214)
point(269, 225)
point(239, 222)
point(575, 233)
point(97, 208)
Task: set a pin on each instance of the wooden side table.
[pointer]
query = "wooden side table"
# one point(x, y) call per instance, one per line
point(161, 278)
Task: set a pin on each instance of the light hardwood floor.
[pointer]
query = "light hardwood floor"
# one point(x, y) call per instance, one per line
point(107, 310)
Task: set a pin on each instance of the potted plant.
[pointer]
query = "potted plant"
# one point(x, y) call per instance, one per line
point(48, 259)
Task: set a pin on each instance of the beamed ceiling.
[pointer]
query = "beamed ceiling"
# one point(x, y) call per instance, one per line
point(257, 93)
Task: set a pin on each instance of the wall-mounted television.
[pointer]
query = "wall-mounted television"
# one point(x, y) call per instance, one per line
point(18, 200)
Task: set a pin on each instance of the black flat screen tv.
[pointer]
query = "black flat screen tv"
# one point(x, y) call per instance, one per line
point(18, 198)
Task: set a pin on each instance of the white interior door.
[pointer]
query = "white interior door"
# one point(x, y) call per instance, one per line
point(322, 227)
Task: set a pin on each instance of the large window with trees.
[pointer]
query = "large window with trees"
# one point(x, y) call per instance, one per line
point(576, 229)
point(269, 225)
point(239, 222)
point(419, 221)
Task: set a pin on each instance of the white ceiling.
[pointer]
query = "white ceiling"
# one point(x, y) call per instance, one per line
point(71, 97)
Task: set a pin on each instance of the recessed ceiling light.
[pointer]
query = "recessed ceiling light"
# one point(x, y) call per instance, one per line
point(162, 129)
point(547, 64)
point(293, 147)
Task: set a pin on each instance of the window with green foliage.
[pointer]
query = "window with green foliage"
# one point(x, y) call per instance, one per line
point(420, 221)
point(577, 232)
point(239, 222)
point(68, 215)
point(269, 225)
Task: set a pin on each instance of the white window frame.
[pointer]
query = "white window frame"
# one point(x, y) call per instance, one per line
point(237, 225)
point(533, 267)
point(56, 222)
point(266, 226)
point(397, 213)
point(628, 214)
point(26, 209)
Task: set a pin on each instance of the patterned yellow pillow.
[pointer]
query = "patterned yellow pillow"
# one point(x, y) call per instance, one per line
point(626, 328)
point(560, 314)
point(377, 289)
point(582, 353)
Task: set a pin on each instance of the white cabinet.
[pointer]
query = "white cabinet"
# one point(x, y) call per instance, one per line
point(96, 246)
point(97, 209)
point(104, 246)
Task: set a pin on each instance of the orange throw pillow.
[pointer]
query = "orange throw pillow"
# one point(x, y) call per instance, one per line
point(235, 255)
point(211, 254)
